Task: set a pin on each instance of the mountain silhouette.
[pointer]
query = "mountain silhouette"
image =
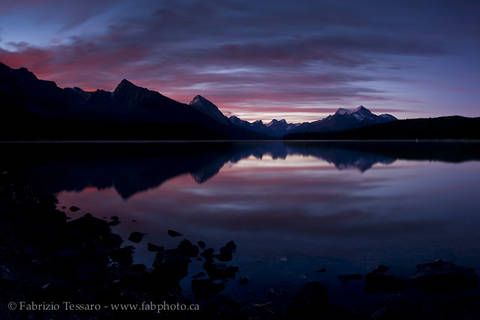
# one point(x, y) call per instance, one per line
point(454, 127)
point(345, 119)
point(35, 109)
point(203, 105)
point(38, 109)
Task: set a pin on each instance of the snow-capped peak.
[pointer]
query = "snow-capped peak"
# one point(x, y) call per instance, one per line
point(276, 122)
point(360, 113)
point(343, 111)
point(197, 99)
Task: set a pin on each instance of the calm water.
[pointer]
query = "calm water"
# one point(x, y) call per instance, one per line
point(291, 208)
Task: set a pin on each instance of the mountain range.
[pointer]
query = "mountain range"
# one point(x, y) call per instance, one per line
point(34, 109)
point(343, 119)
point(39, 109)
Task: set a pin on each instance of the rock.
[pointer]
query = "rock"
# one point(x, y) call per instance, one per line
point(173, 233)
point(6, 274)
point(123, 255)
point(89, 225)
point(136, 236)
point(262, 305)
point(231, 271)
point(138, 267)
point(378, 281)
point(201, 244)
point(68, 254)
point(441, 276)
point(115, 221)
point(74, 208)
point(208, 253)
point(382, 313)
point(154, 248)
point(171, 266)
point(224, 256)
point(220, 270)
point(231, 246)
point(350, 277)
point(222, 307)
point(90, 271)
point(112, 240)
point(199, 275)
point(243, 280)
point(187, 248)
point(381, 268)
point(309, 301)
point(215, 270)
point(135, 271)
point(273, 292)
point(226, 252)
point(206, 288)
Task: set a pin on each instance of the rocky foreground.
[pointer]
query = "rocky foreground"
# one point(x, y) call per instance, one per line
point(44, 257)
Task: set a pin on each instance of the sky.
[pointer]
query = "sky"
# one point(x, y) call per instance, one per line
point(298, 60)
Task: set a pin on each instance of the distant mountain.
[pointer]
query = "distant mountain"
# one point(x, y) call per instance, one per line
point(343, 119)
point(33, 109)
point(38, 109)
point(275, 128)
point(455, 127)
point(203, 105)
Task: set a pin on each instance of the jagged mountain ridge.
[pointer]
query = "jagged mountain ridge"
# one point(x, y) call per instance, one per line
point(275, 128)
point(343, 119)
point(39, 109)
point(203, 105)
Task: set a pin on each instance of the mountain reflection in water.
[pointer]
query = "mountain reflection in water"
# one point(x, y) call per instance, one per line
point(291, 207)
point(134, 167)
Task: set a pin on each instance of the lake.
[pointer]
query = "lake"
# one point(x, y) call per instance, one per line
point(292, 208)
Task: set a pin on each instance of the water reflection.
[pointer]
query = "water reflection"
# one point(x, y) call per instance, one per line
point(296, 206)
point(132, 168)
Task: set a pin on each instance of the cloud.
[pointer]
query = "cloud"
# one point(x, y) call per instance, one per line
point(240, 54)
point(68, 14)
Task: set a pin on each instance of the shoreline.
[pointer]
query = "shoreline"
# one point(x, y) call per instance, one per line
point(70, 260)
